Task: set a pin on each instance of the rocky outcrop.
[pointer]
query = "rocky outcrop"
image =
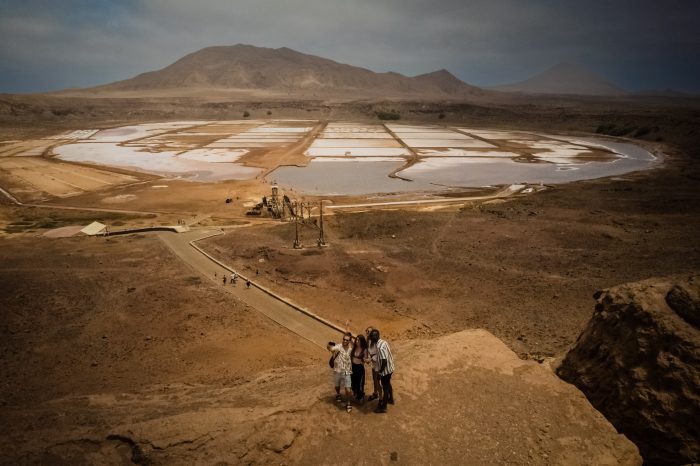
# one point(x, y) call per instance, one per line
point(638, 362)
point(463, 398)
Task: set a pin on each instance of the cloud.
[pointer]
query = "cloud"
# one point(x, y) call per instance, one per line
point(48, 45)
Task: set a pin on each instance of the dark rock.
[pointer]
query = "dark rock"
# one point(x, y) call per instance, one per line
point(638, 362)
point(282, 440)
point(688, 307)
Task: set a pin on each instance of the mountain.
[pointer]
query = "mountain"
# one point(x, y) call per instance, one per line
point(445, 81)
point(565, 78)
point(286, 72)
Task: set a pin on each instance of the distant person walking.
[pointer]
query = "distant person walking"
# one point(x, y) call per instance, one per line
point(385, 370)
point(247, 283)
point(359, 354)
point(372, 360)
point(224, 279)
point(342, 369)
point(233, 278)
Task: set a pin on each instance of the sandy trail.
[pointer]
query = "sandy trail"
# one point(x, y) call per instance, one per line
point(276, 309)
point(507, 191)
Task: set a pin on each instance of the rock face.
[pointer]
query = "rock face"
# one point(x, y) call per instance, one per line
point(638, 362)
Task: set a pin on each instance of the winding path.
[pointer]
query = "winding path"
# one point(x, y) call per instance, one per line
point(287, 314)
point(279, 309)
point(293, 317)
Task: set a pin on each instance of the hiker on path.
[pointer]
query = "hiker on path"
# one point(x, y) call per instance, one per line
point(224, 279)
point(247, 283)
point(385, 370)
point(233, 278)
point(342, 368)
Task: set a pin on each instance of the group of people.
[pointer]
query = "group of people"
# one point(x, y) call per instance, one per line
point(348, 361)
point(234, 278)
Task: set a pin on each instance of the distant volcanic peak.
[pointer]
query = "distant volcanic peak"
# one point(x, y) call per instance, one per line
point(567, 67)
point(565, 78)
point(447, 82)
point(441, 73)
point(285, 70)
point(228, 53)
point(573, 71)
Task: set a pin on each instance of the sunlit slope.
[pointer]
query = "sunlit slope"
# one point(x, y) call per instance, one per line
point(285, 71)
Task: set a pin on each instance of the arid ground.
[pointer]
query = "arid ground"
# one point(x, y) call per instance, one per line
point(102, 335)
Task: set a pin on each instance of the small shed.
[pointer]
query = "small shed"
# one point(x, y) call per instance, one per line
point(95, 228)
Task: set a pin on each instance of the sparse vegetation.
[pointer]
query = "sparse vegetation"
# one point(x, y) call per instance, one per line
point(624, 130)
point(269, 112)
point(642, 131)
point(388, 115)
point(246, 114)
point(441, 116)
point(32, 220)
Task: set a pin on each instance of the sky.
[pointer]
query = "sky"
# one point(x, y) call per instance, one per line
point(639, 45)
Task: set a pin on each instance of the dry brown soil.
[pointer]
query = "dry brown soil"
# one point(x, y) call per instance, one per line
point(524, 268)
point(121, 324)
point(86, 315)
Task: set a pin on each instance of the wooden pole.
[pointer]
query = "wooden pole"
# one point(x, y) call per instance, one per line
point(321, 240)
point(297, 244)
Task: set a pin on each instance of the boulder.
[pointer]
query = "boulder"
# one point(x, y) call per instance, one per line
point(638, 362)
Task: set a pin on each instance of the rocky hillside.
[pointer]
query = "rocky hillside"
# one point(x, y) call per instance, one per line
point(463, 398)
point(565, 78)
point(638, 362)
point(288, 72)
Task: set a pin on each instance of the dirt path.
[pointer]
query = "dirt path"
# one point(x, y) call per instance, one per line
point(508, 191)
point(16, 201)
point(12, 198)
point(93, 209)
point(439, 237)
point(276, 309)
point(284, 155)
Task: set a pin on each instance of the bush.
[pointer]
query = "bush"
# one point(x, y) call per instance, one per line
point(269, 112)
point(441, 116)
point(614, 130)
point(390, 115)
point(246, 114)
point(642, 131)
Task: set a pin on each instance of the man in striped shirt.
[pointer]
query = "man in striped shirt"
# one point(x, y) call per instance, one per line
point(385, 368)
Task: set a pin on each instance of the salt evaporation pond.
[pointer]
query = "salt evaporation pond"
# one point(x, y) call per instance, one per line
point(354, 159)
point(127, 133)
point(346, 177)
point(439, 173)
point(140, 147)
point(162, 163)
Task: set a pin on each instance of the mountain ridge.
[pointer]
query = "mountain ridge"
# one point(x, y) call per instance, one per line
point(283, 70)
